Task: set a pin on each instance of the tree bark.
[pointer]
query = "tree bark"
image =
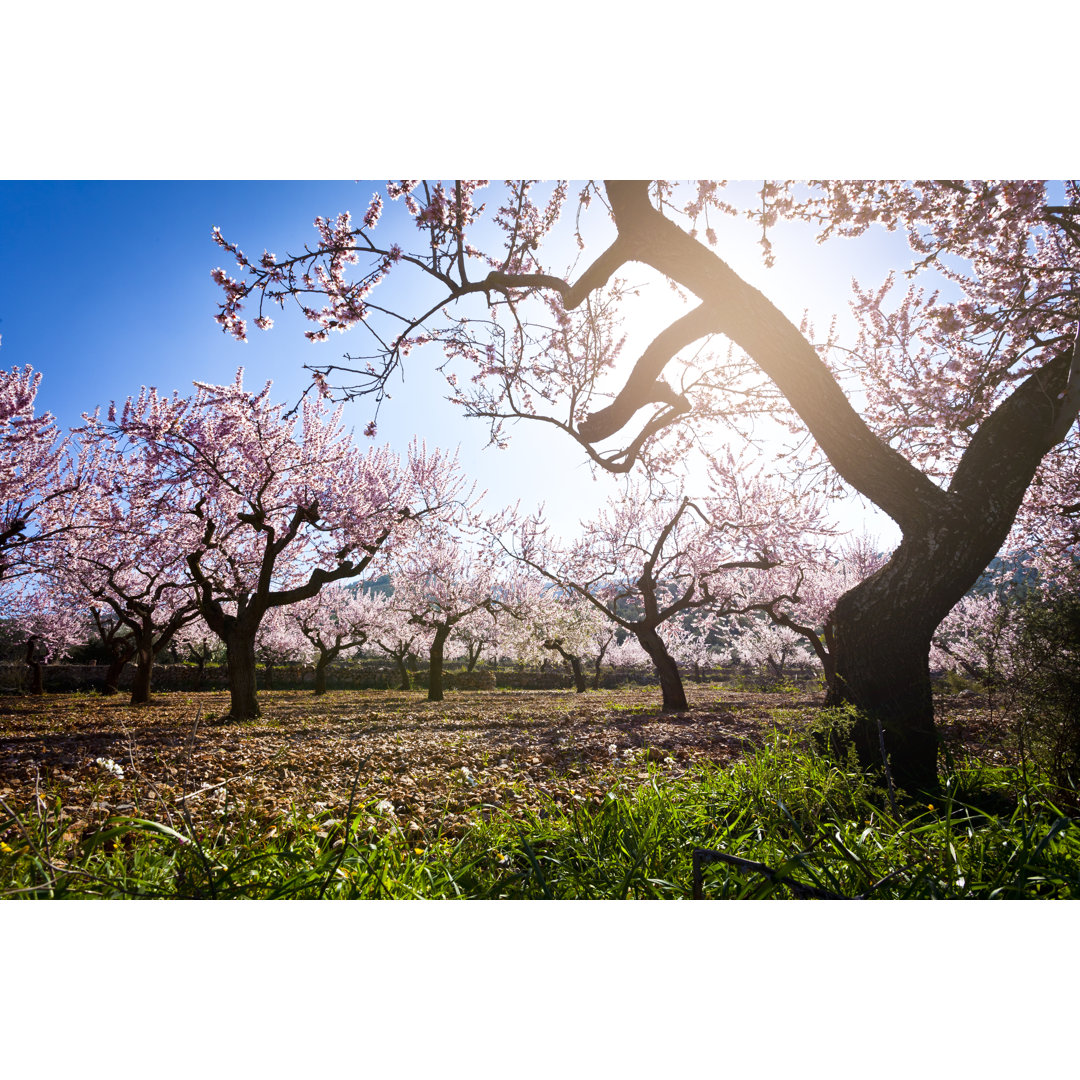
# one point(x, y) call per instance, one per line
point(111, 682)
point(37, 681)
point(144, 667)
point(320, 672)
point(240, 664)
point(435, 670)
point(671, 687)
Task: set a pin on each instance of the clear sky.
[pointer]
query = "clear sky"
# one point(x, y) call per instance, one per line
point(105, 287)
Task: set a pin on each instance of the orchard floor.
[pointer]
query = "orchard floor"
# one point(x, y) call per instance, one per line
point(413, 762)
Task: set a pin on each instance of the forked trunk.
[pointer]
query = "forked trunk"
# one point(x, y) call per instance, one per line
point(671, 687)
point(880, 632)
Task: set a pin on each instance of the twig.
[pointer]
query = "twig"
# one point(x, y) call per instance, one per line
point(888, 771)
point(187, 813)
point(703, 856)
point(348, 816)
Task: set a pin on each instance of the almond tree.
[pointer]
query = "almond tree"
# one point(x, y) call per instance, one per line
point(650, 558)
point(115, 550)
point(760, 642)
point(688, 643)
point(472, 636)
point(979, 637)
point(628, 653)
point(279, 641)
point(50, 626)
point(334, 622)
point(200, 644)
point(275, 507)
point(118, 641)
point(443, 579)
point(395, 634)
point(940, 412)
point(805, 608)
point(553, 621)
point(32, 454)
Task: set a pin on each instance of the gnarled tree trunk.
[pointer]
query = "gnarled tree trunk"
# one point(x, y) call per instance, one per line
point(671, 687)
point(403, 673)
point(573, 661)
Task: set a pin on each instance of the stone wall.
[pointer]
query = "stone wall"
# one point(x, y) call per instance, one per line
point(68, 678)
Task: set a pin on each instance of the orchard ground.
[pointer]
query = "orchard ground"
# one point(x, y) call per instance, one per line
point(431, 768)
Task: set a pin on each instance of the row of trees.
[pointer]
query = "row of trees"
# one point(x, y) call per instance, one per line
point(221, 518)
point(208, 523)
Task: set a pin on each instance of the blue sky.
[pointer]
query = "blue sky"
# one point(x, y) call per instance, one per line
point(105, 287)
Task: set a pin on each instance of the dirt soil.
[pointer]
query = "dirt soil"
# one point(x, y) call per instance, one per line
point(418, 762)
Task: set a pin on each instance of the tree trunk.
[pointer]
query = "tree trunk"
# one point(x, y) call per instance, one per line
point(435, 679)
point(579, 676)
point(37, 682)
point(671, 687)
point(879, 636)
point(574, 663)
point(403, 672)
point(111, 682)
point(144, 667)
point(320, 673)
point(240, 664)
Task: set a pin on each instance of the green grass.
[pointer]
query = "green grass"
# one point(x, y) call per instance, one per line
point(794, 819)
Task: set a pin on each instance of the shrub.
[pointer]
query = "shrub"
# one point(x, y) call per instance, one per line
point(1048, 686)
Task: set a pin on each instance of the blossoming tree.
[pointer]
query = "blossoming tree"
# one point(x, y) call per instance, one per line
point(334, 622)
point(115, 549)
point(32, 454)
point(275, 508)
point(651, 558)
point(397, 635)
point(555, 621)
point(444, 578)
